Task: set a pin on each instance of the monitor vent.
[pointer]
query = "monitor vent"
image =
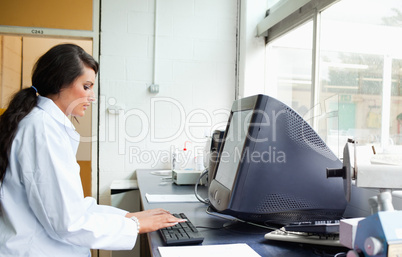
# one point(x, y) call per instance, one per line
point(301, 133)
point(280, 202)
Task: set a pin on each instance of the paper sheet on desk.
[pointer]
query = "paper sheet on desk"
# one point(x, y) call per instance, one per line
point(171, 198)
point(224, 250)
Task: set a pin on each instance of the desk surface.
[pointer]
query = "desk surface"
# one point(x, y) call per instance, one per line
point(214, 229)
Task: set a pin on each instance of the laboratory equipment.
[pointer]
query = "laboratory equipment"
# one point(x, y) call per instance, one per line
point(379, 234)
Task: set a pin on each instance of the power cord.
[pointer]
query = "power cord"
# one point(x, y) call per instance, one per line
point(233, 219)
point(206, 201)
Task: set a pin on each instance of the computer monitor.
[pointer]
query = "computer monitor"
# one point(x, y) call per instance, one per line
point(272, 167)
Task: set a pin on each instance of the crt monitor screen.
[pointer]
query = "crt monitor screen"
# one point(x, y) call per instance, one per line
point(272, 165)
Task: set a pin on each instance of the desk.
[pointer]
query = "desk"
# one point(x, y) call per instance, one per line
point(254, 237)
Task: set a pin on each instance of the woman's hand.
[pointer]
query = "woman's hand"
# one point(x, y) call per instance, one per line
point(147, 213)
point(154, 219)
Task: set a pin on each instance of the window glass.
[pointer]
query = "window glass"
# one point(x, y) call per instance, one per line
point(360, 58)
point(289, 69)
point(396, 103)
point(358, 93)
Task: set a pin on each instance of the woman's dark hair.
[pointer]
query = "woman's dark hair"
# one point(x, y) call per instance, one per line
point(56, 69)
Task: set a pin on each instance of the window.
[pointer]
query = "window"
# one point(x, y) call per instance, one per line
point(341, 70)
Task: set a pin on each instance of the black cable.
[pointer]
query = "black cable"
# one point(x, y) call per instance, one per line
point(206, 201)
point(233, 219)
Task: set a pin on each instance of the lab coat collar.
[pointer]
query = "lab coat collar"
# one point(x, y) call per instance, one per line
point(53, 110)
point(48, 106)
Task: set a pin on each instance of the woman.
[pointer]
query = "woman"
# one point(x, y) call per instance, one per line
point(42, 208)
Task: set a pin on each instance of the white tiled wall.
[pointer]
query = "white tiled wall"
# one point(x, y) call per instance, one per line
point(194, 68)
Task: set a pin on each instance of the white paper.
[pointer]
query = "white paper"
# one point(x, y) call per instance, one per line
point(223, 250)
point(162, 172)
point(171, 198)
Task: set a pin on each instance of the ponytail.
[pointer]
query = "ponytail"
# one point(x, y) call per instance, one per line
point(21, 104)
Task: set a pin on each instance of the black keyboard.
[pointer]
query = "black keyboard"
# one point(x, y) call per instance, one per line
point(184, 233)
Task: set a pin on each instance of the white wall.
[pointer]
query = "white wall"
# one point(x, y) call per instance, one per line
point(195, 70)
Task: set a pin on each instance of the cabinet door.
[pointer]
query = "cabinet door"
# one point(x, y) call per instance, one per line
point(10, 67)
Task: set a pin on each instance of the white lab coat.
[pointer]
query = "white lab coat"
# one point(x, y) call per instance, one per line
point(43, 210)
